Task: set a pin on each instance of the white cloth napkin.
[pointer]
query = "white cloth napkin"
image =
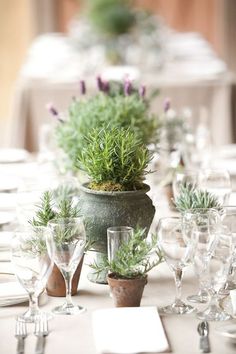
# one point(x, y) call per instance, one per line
point(233, 300)
point(12, 290)
point(5, 240)
point(129, 330)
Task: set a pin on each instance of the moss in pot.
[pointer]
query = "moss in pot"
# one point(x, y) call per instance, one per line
point(127, 272)
point(116, 161)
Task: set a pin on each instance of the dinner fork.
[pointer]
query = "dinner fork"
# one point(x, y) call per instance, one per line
point(20, 334)
point(41, 331)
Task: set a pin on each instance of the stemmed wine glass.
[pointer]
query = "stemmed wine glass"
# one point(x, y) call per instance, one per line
point(215, 277)
point(216, 182)
point(178, 252)
point(66, 247)
point(204, 223)
point(32, 265)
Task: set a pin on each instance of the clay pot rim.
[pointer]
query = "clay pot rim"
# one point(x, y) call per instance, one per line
point(144, 190)
point(114, 277)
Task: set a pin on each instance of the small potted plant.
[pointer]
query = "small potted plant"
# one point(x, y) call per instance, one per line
point(127, 272)
point(116, 162)
point(55, 205)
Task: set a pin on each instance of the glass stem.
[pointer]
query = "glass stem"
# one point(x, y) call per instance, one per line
point(178, 284)
point(33, 303)
point(68, 282)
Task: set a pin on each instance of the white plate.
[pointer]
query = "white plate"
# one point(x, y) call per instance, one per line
point(8, 183)
point(13, 155)
point(6, 218)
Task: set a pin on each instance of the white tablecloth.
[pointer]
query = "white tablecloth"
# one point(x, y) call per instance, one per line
point(191, 75)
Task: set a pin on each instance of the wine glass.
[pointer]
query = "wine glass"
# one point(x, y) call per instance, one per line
point(188, 177)
point(228, 219)
point(216, 182)
point(215, 277)
point(66, 247)
point(32, 265)
point(178, 252)
point(205, 224)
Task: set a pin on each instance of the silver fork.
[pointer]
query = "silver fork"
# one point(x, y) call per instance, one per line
point(20, 334)
point(41, 331)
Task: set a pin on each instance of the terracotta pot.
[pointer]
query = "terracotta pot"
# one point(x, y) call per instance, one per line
point(56, 283)
point(126, 292)
point(170, 196)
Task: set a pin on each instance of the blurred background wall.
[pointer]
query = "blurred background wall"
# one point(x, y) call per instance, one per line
point(22, 20)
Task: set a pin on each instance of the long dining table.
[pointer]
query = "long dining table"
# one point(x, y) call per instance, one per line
point(74, 334)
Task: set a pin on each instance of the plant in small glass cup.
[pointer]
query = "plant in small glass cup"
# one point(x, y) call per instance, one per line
point(205, 224)
point(184, 178)
point(128, 267)
point(66, 246)
point(32, 265)
point(215, 277)
point(178, 252)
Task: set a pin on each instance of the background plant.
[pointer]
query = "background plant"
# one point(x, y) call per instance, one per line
point(193, 198)
point(114, 159)
point(134, 259)
point(112, 109)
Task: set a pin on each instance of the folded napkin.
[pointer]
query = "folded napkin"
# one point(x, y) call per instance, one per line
point(129, 330)
point(233, 300)
point(8, 201)
point(12, 290)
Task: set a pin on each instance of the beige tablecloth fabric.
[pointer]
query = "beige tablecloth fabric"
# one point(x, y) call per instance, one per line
point(73, 334)
point(54, 67)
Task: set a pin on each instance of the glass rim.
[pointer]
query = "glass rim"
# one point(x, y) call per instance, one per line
point(67, 221)
point(112, 229)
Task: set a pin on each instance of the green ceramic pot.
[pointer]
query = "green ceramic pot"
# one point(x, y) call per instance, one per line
point(105, 209)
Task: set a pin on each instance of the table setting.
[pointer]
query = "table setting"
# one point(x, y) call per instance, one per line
point(180, 260)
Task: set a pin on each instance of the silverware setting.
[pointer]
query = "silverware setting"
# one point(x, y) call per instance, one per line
point(40, 331)
point(203, 330)
point(20, 334)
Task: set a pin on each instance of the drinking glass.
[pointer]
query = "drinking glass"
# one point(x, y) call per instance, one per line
point(216, 182)
point(188, 177)
point(215, 278)
point(204, 223)
point(32, 265)
point(228, 219)
point(178, 252)
point(66, 247)
point(115, 237)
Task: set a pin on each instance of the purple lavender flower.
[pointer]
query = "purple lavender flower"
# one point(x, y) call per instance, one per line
point(142, 91)
point(127, 88)
point(50, 107)
point(166, 104)
point(100, 83)
point(106, 86)
point(82, 87)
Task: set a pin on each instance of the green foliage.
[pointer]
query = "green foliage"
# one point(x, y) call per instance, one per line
point(44, 212)
point(192, 198)
point(111, 17)
point(113, 110)
point(133, 258)
point(115, 159)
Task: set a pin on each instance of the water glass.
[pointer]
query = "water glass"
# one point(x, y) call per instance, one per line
point(182, 179)
point(66, 246)
point(32, 265)
point(115, 237)
point(216, 182)
point(215, 278)
point(178, 252)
